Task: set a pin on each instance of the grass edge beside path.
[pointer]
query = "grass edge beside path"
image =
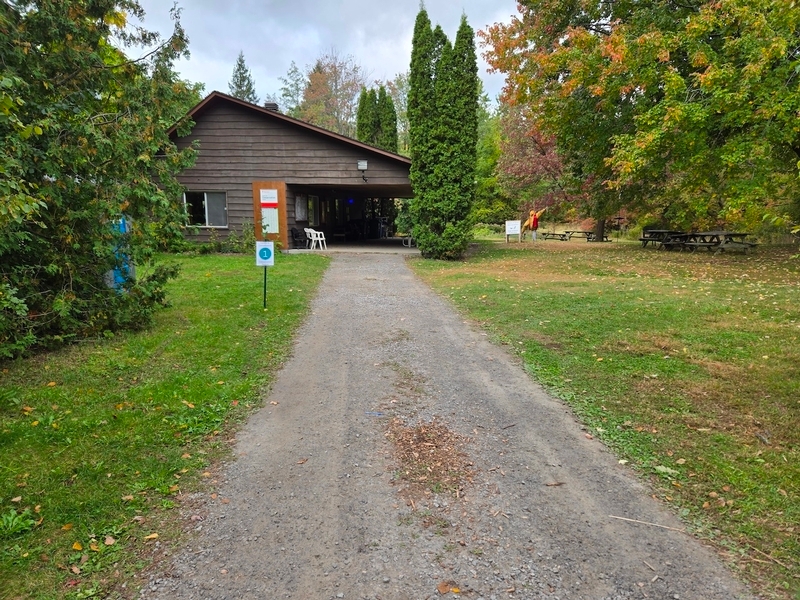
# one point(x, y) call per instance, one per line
point(686, 365)
point(101, 442)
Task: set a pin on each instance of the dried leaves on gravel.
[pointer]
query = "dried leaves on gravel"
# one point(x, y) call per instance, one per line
point(431, 457)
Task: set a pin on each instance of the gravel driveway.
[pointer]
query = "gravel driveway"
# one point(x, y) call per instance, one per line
point(310, 508)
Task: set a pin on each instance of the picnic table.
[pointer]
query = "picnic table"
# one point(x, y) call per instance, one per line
point(657, 236)
point(552, 235)
point(589, 235)
point(674, 240)
point(586, 234)
point(718, 241)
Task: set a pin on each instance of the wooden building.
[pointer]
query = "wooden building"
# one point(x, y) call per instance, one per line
point(259, 168)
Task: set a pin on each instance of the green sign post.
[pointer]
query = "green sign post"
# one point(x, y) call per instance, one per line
point(265, 257)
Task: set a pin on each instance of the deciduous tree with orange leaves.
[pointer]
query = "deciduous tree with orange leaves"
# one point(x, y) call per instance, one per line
point(684, 109)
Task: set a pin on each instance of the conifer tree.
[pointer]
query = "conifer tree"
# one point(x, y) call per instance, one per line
point(292, 90)
point(443, 122)
point(387, 121)
point(367, 118)
point(463, 102)
point(420, 113)
point(376, 120)
point(241, 84)
point(361, 116)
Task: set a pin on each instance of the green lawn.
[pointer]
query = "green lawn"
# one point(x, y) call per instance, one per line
point(687, 364)
point(100, 441)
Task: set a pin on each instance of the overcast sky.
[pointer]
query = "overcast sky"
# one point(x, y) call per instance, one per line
point(273, 33)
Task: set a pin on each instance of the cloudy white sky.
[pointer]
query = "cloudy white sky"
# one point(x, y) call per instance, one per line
point(273, 33)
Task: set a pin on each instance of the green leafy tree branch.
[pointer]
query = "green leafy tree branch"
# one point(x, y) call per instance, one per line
point(87, 144)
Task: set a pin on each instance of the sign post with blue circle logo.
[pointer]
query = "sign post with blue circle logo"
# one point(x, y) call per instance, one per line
point(265, 257)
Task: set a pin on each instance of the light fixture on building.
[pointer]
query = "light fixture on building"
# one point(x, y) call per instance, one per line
point(362, 166)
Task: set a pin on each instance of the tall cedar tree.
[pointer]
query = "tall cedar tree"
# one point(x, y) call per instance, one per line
point(376, 119)
point(367, 118)
point(387, 119)
point(443, 118)
point(88, 143)
point(241, 84)
point(420, 111)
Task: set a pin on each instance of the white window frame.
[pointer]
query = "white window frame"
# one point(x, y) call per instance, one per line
point(205, 208)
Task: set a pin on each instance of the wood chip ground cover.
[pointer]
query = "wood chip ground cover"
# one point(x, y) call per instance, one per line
point(431, 458)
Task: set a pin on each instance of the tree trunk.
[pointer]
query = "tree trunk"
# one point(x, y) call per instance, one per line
point(600, 230)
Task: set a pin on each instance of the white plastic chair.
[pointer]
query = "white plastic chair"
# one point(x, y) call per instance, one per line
point(320, 239)
point(316, 237)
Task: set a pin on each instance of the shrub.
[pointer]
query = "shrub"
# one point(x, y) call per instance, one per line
point(89, 170)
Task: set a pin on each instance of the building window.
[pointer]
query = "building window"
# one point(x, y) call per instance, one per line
point(206, 209)
point(301, 208)
point(313, 211)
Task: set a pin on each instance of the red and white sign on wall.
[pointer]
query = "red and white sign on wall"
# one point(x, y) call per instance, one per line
point(269, 210)
point(269, 198)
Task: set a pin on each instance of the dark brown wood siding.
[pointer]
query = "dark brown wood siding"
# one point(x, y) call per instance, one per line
point(238, 146)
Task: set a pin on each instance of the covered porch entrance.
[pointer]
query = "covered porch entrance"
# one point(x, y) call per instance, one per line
point(354, 216)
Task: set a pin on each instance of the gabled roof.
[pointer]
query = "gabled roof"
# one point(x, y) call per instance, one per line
point(216, 98)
